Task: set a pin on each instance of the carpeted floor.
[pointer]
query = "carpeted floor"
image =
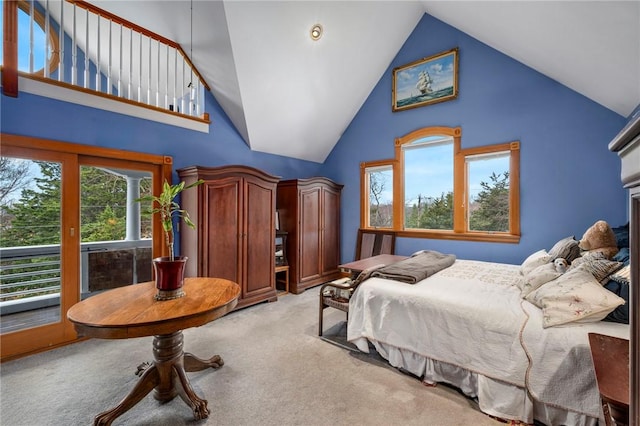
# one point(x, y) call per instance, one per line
point(277, 372)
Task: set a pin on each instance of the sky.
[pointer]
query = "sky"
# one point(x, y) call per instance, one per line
point(431, 173)
point(24, 34)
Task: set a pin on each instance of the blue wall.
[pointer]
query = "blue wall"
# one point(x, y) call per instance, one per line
point(47, 118)
point(568, 178)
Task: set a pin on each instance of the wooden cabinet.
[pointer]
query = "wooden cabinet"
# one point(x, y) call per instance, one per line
point(234, 213)
point(310, 213)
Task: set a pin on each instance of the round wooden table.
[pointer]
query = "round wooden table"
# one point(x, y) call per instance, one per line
point(132, 311)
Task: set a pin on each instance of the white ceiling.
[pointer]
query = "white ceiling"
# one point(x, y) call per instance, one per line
point(291, 96)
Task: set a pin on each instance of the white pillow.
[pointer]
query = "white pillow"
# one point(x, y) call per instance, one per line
point(575, 296)
point(537, 277)
point(534, 260)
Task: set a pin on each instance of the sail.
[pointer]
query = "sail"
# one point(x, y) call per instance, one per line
point(424, 82)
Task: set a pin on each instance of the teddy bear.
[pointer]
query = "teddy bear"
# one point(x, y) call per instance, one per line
point(599, 238)
point(561, 265)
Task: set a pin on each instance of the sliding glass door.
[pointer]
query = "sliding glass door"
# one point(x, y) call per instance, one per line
point(69, 228)
point(35, 188)
point(115, 238)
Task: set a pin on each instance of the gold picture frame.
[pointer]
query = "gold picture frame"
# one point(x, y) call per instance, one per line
point(426, 81)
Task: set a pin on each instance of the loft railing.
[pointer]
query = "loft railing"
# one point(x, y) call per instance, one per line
point(90, 49)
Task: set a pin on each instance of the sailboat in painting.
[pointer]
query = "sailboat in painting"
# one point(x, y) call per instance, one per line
point(424, 82)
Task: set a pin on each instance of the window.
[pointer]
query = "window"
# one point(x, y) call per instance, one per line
point(377, 182)
point(40, 50)
point(435, 189)
point(428, 182)
point(487, 192)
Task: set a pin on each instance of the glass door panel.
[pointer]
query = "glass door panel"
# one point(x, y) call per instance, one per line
point(116, 240)
point(69, 227)
point(30, 241)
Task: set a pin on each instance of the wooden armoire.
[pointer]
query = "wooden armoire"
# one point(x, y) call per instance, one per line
point(234, 213)
point(309, 212)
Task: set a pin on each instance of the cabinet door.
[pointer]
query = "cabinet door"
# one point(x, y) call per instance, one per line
point(259, 238)
point(330, 231)
point(221, 251)
point(309, 231)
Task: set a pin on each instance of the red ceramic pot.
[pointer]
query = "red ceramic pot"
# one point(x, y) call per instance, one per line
point(169, 276)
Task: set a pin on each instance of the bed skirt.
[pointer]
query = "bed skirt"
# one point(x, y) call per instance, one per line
point(495, 398)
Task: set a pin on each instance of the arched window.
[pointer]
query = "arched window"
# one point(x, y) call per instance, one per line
point(33, 49)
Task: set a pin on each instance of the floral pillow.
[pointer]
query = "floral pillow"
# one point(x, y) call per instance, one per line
point(534, 260)
point(575, 296)
point(537, 277)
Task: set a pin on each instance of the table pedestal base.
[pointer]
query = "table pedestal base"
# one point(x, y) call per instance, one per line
point(170, 363)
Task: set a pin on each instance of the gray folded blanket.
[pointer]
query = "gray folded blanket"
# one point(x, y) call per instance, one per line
point(416, 268)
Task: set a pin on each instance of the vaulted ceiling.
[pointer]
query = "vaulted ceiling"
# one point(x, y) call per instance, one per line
point(291, 96)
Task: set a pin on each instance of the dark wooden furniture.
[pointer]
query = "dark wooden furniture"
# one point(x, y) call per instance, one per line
point(349, 285)
point(310, 214)
point(372, 242)
point(627, 145)
point(611, 364)
point(283, 269)
point(234, 212)
point(133, 311)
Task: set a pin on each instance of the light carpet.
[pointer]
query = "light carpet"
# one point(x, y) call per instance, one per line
point(277, 372)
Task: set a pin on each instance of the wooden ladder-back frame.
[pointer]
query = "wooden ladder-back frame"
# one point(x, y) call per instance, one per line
point(372, 242)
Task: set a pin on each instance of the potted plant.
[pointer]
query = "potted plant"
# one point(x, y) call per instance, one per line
point(169, 270)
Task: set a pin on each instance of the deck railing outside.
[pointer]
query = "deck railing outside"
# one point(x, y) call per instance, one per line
point(30, 276)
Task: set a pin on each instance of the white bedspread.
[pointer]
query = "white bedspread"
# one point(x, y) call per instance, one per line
point(471, 315)
point(560, 372)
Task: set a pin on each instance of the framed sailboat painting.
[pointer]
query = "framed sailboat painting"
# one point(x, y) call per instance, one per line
point(426, 81)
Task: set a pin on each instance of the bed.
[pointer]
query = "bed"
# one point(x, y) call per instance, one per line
point(468, 325)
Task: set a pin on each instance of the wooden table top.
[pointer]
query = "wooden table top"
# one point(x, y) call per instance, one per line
point(132, 311)
point(361, 265)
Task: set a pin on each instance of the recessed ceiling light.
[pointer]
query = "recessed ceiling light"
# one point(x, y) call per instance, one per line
point(316, 32)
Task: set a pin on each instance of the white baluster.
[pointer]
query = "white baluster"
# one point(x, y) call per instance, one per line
point(109, 60)
point(31, 12)
point(200, 98)
point(87, 74)
point(140, 72)
point(120, 66)
point(166, 86)
point(149, 76)
point(158, 77)
point(175, 79)
point(98, 61)
point(74, 50)
point(182, 86)
point(61, 43)
point(130, 94)
point(192, 94)
point(46, 40)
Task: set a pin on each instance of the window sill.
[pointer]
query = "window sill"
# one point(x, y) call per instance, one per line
point(461, 236)
point(90, 98)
